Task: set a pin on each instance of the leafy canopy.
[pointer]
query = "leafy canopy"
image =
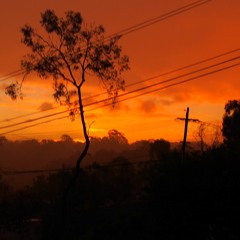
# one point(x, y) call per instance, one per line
point(67, 51)
point(231, 123)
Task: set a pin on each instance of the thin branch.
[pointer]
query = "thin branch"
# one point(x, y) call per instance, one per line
point(68, 67)
point(84, 61)
point(90, 127)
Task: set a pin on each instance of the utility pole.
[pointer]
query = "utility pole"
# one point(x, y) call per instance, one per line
point(186, 119)
point(185, 135)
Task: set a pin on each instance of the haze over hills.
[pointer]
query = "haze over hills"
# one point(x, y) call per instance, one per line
point(21, 161)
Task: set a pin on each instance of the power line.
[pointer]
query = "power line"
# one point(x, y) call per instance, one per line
point(187, 66)
point(180, 69)
point(138, 95)
point(32, 171)
point(168, 80)
point(133, 91)
point(139, 82)
point(11, 75)
point(33, 125)
point(27, 115)
point(160, 18)
point(184, 81)
point(133, 28)
point(87, 168)
point(34, 119)
point(170, 85)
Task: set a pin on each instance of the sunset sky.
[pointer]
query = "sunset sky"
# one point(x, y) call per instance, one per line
point(204, 32)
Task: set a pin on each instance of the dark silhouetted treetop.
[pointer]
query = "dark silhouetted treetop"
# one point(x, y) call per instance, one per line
point(3, 140)
point(160, 150)
point(66, 138)
point(231, 123)
point(117, 137)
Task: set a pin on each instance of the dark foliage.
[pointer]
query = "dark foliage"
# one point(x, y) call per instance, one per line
point(197, 199)
point(231, 124)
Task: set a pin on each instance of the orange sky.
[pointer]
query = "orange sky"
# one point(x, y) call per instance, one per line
point(201, 33)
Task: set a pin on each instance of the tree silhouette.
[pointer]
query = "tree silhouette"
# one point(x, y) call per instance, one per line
point(117, 137)
point(209, 136)
point(160, 150)
point(3, 140)
point(231, 123)
point(66, 138)
point(67, 50)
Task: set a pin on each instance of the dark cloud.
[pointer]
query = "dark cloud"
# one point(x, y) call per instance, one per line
point(179, 98)
point(92, 115)
point(45, 106)
point(166, 102)
point(148, 106)
point(119, 106)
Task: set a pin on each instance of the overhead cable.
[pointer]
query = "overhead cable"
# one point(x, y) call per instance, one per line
point(138, 95)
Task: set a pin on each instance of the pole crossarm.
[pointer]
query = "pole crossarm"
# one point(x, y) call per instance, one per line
point(190, 120)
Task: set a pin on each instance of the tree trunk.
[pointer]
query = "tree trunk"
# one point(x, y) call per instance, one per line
point(77, 167)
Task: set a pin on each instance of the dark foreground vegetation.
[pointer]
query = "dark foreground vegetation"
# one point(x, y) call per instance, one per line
point(158, 199)
point(165, 197)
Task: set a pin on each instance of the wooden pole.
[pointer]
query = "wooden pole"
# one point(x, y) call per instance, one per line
point(185, 136)
point(184, 143)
